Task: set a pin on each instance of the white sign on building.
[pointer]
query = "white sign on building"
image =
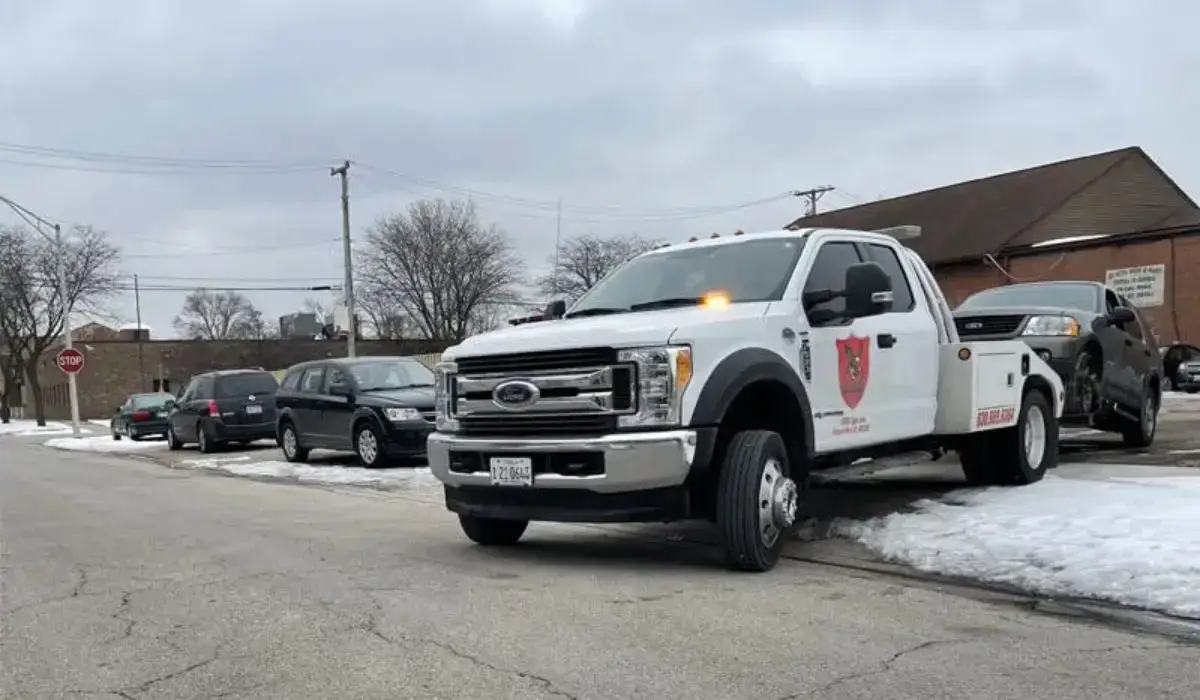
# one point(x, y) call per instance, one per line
point(1145, 286)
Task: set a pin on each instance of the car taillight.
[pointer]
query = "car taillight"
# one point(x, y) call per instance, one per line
point(141, 415)
point(213, 410)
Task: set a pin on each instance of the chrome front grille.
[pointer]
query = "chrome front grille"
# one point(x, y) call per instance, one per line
point(570, 393)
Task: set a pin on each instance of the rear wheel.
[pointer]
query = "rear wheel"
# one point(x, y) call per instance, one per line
point(492, 532)
point(206, 443)
point(757, 503)
point(115, 434)
point(173, 442)
point(1014, 456)
point(1141, 433)
point(289, 442)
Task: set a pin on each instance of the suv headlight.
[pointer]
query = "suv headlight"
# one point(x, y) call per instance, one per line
point(1052, 325)
point(443, 396)
point(663, 374)
point(400, 415)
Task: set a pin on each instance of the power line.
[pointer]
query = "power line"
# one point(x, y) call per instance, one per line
point(813, 196)
point(154, 161)
point(239, 250)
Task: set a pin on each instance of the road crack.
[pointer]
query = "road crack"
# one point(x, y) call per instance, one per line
point(882, 667)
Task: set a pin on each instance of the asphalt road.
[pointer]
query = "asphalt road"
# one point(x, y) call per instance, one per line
point(125, 579)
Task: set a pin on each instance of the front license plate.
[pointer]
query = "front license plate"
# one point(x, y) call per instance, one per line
point(512, 471)
point(253, 410)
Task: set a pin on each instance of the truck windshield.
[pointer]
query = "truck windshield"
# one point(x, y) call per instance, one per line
point(754, 270)
point(1084, 297)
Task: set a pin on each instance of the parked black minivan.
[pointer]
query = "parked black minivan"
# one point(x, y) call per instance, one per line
point(224, 407)
point(380, 408)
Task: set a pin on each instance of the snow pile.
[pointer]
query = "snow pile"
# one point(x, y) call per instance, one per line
point(1129, 540)
point(105, 443)
point(29, 428)
point(248, 466)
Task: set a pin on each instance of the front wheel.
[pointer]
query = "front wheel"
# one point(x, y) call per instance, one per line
point(492, 532)
point(368, 445)
point(757, 503)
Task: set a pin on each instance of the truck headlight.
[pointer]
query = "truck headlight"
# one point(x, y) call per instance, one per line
point(400, 415)
point(1052, 325)
point(443, 396)
point(663, 373)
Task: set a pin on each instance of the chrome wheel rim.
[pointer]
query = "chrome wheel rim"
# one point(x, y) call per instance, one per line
point(1149, 416)
point(778, 502)
point(289, 442)
point(368, 446)
point(1034, 436)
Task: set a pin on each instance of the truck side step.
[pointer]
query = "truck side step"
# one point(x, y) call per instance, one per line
point(867, 466)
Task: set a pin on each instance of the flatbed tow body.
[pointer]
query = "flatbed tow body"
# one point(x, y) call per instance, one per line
point(719, 410)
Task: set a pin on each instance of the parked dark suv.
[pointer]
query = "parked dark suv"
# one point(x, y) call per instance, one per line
point(225, 407)
point(1097, 341)
point(380, 408)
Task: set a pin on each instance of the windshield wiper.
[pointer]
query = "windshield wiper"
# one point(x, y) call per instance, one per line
point(595, 311)
point(666, 303)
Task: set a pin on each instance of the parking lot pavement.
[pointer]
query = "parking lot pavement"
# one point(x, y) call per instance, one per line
point(126, 580)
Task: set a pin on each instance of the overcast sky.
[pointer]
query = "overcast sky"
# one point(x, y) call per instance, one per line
point(654, 116)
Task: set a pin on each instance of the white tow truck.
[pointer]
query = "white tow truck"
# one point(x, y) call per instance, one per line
point(708, 381)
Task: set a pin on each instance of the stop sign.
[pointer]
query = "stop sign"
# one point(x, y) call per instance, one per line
point(70, 360)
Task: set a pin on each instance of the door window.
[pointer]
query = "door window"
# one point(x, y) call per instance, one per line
point(1133, 329)
point(190, 394)
point(333, 376)
point(292, 381)
point(829, 272)
point(312, 380)
point(890, 262)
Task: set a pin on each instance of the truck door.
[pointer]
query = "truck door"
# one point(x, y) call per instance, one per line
point(907, 338)
point(845, 390)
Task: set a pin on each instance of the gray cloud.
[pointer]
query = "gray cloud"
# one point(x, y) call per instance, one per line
point(652, 106)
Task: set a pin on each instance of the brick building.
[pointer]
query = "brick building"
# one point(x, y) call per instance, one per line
point(1112, 217)
point(114, 368)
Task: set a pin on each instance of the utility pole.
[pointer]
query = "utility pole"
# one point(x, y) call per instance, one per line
point(137, 305)
point(813, 196)
point(347, 258)
point(68, 343)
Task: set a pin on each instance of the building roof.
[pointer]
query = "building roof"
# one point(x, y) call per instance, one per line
point(1112, 193)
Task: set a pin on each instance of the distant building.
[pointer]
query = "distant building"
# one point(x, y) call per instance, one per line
point(299, 325)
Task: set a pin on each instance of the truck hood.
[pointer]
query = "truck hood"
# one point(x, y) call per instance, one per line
point(1024, 311)
point(615, 330)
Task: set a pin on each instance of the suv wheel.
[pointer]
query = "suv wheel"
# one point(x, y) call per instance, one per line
point(289, 442)
point(1141, 433)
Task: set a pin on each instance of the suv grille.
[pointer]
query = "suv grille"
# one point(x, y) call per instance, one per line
point(988, 325)
point(574, 393)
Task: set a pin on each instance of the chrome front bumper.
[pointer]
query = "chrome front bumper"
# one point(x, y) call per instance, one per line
point(632, 461)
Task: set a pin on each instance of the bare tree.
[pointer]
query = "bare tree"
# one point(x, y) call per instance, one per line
point(442, 268)
point(219, 315)
point(33, 309)
point(585, 260)
point(383, 314)
point(323, 313)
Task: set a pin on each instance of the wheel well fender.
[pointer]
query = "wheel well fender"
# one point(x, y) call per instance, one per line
point(1035, 382)
point(759, 373)
point(365, 415)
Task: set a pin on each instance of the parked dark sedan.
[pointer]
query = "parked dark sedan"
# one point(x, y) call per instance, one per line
point(380, 408)
point(225, 407)
point(1181, 368)
point(142, 415)
point(1097, 341)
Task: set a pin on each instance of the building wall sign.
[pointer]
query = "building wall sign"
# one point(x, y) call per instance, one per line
point(1144, 285)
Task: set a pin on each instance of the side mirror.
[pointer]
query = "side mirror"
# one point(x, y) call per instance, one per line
point(555, 310)
point(1121, 315)
point(868, 290)
point(339, 389)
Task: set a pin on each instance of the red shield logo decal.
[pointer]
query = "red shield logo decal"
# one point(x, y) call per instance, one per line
point(854, 368)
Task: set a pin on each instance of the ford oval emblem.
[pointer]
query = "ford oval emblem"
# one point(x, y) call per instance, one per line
point(515, 393)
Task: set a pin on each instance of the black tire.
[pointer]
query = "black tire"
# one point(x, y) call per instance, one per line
point(1140, 433)
point(750, 459)
point(492, 532)
point(135, 437)
point(999, 457)
point(206, 444)
point(115, 434)
point(1088, 374)
point(292, 449)
point(173, 443)
point(364, 432)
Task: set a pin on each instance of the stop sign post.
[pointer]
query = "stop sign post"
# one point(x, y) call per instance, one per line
point(70, 360)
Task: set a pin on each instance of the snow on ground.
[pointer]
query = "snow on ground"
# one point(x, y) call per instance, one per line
point(30, 428)
point(1122, 534)
point(251, 466)
point(105, 443)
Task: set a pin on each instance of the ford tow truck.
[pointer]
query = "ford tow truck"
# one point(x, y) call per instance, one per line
point(709, 380)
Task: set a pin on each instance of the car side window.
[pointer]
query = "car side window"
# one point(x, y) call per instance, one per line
point(189, 394)
point(829, 272)
point(312, 380)
point(292, 381)
point(1135, 329)
point(890, 262)
point(333, 376)
point(1110, 301)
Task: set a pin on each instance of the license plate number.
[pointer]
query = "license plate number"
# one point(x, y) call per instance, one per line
point(512, 471)
point(253, 410)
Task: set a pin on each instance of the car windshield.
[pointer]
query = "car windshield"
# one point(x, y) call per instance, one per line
point(391, 374)
point(1084, 297)
point(234, 385)
point(745, 271)
point(149, 401)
